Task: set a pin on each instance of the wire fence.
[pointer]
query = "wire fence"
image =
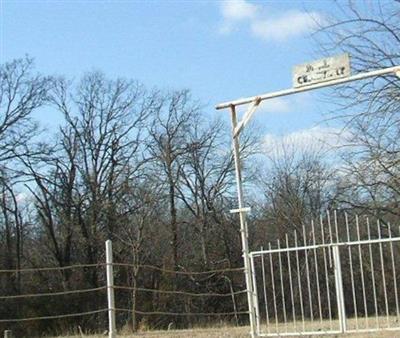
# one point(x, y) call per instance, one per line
point(101, 299)
point(53, 268)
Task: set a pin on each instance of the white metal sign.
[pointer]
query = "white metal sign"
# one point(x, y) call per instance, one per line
point(322, 70)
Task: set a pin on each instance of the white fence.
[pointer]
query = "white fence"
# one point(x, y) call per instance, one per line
point(337, 277)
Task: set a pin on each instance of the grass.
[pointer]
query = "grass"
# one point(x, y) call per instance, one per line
point(243, 331)
point(240, 332)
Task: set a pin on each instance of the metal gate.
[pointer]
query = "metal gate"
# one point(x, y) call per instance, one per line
point(334, 277)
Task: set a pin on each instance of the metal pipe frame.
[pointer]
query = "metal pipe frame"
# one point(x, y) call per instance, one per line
point(384, 71)
point(237, 127)
point(256, 100)
point(243, 228)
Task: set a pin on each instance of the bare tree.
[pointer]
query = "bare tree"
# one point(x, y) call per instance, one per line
point(81, 184)
point(21, 92)
point(369, 31)
point(12, 229)
point(206, 180)
point(297, 187)
point(141, 213)
point(54, 192)
point(168, 144)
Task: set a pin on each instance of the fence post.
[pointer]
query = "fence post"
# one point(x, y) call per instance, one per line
point(7, 334)
point(339, 288)
point(112, 332)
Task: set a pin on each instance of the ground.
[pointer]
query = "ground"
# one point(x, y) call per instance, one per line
point(240, 332)
point(225, 331)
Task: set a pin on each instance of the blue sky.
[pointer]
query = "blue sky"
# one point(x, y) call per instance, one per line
point(220, 50)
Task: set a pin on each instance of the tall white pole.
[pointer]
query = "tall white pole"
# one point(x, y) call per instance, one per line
point(112, 331)
point(243, 225)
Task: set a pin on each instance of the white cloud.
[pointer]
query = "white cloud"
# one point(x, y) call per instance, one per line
point(280, 105)
point(311, 139)
point(234, 11)
point(277, 105)
point(288, 25)
point(238, 10)
point(239, 13)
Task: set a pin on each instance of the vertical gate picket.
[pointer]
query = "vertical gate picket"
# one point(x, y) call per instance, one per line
point(339, 289)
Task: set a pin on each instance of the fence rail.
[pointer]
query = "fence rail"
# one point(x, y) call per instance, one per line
point(51, 294)
point(14, 320)
point(185, 313)
point(178, 272)
point(52, 268)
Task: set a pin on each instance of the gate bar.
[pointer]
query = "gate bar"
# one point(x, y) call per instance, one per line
point(327, 245)
point(353, 289)
point(383, 274)
point(371, 259)
point(394, 273)
point(339, 289)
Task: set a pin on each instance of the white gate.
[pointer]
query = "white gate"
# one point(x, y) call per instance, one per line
point(303, 82)
point(334, 277)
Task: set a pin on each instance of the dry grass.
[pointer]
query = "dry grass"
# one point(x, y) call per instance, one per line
point(239, 332)
point(243, 331)
point(232, 333)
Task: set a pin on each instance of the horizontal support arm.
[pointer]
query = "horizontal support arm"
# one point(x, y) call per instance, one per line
point(394, 70)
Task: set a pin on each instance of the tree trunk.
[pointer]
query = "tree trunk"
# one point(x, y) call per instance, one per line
point(134, 303)
point(174, 223)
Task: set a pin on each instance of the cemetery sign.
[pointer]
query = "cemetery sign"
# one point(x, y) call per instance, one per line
point(327, 69)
